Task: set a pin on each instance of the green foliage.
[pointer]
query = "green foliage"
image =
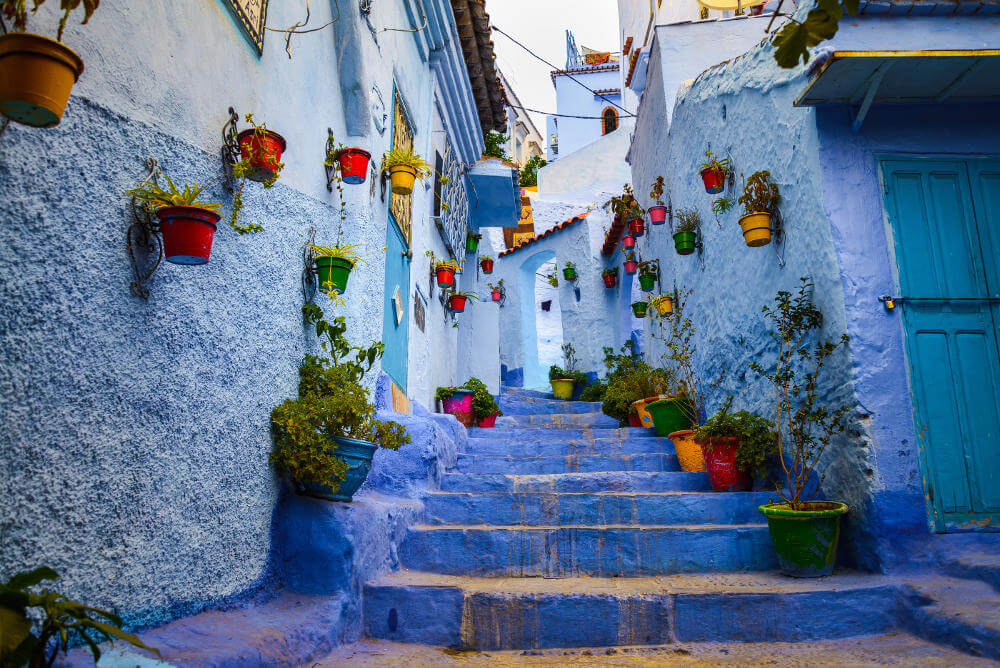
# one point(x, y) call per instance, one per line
point(17, 10)
point(688, 220)
point(569, 265)
point(760, 193)
point(63, 621)
point(758, 440)
point(483, 403)
point(333, 162)
point(792, 42)
point(529, 173)
point(806, 425)
point(594, 392)
point(610, 271)
point(495, 145)
point(631, 378)
point(154, 197)
point(552, 279)
point(714, 163)
point(485, 257)
point(408, 158)
point(649, 267)
point(656, 192)
point(496, 286)
point(467, 295)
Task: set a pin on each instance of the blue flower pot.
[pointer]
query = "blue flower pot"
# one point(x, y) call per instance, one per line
point(358, 455)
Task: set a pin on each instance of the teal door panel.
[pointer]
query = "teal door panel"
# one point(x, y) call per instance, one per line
point(945, 243)
point(395, 328)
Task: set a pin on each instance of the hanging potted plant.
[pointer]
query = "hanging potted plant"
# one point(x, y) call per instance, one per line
point(804, 530)
point(445, 271)
point(713, 173)
point(649, 270)
point(404, 166)
point(569, 271)
point(472, 241)
point(686, 235)
point(325, 439)
point(333, 266)
point(186, 223)
point(639, 309)
point(610, 277)
point(260, 155)
point(664, 305)
point(759, 199)
point(636, 226)
point(485, 409)
point(630, 263)
point(486, 264)
point(457, 401)
point(37, 73)
point(458, 300)
point(628, 242)
point(353, 165)
point(496, 290)
point(737, 447)
point(657, 212)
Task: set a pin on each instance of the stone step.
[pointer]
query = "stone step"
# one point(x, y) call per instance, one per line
point(559, 433)
point(558, 420)
point(623, 508)
point(602, 481)
point(546, 406)
point(468, 613)
point(975, 565)
point(485, 445)
point(535, 464)
point(962, 613)
point(598, 551)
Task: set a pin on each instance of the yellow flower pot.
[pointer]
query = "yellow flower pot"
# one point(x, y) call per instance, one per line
point(36, 77)
point(640, 410)
point(689, 453)
point(664, 305)
point(402, 179)
point(756, 228)
point(562, 388)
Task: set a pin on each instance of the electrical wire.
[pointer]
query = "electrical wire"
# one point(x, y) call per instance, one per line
point(549, 113)
point(627, 112)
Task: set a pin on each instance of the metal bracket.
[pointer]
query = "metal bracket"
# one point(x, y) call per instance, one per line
point(143, 235)
point(310, 282)
point(329, 164)
point(230, 152)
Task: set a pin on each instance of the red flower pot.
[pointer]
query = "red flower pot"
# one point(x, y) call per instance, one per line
point(756, 10)
point(658, 214)
point(487, 266)
point(720, 460)
point(497, 295)
point(628, 241)
point(631, 266)
point(715, 180)
point(488, 422)
point(634, 420)
point(187, 233)
point(457, 303)
point(636, 228)
point(459, 404)
point(445, 276)
point(610, 280)
point(354, 165)
point(263, 152)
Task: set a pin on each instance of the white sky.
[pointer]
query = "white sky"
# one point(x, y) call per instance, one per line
point(541, 26)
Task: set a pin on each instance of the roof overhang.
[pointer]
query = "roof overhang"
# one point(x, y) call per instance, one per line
point(876, 77)
point(495, 200)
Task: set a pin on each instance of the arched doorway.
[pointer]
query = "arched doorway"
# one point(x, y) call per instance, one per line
point(541, 331)
point(609, 120)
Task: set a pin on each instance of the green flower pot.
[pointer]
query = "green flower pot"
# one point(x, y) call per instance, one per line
point(639, 309)
point(669, 415)
point(647, 282)
point(805, 540)
point(684, 242)
point(471, 244)
point(569, 273)
point(332, 273)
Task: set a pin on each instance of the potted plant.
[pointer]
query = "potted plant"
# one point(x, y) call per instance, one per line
point(663, 304)
point(713, 172)
point(260, 161)
point(37, 73)
point(569, 271)
point(628, 241)
point(736, 446)
point(639, 309)
point(686, 235)
point(564, 381)
point(636, 226)
point(804, 530)
point(445, 271)
point(458, 300)
point(353, 164)
point(610, 277)
point(187, 223)
point(657, 212)
point(649, 270)
point(759, 199)
point(632, 384)
point(325, 439)
point(630, 263)
point(457, 401)
point(485, 409)
point(496, 290)
point(486, 264)
point(404, 166)
point(472, 241)
point(333, 266)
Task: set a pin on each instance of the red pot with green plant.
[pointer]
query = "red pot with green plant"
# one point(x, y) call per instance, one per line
point(186, 223)
point(486, 264)
point(628, 241)
point(354, 165)
point(458, 300)
point(657, 212)
point(445, 272)
point(610, 277)
point(630, 264)
point(262, 148)
point(636, 227)
point(496, 295)
point(713, 173)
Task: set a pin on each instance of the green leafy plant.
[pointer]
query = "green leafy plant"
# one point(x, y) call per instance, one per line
point(483, 402)
point(63, 621)
point(569, 265)
point(758, 440)
point(17, 11)
point(454, 265)
point(460, 293)
point(793, 40)
point(406, 157)
point(445, 392)
point(649, 267)
point(722, 206)
point(552, 279)
point(485, 257)
point(714, 163)
point(153, 197)
point(630, 378)
point(656, 193)
point(495, 142)
point(256, 152)
point(610, 271)
point(332, 161)
point(528, 176)
point(806, 424)
point(760, 193)
point(688, 220)
point(496, 286)
point(630, 257)
point(594, 392)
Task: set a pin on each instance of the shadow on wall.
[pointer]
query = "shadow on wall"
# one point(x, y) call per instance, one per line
point(534, 375)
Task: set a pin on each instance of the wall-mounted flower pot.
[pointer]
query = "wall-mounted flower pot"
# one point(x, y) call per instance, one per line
point(756, 228)
point(639, 309)
point(630, 266)
point(357, 455)
point(488, 422)
point(332, 273)
point(664, 305)
point(658, 214)
point(647, 282)
point(669, 415)
point(354, 165)
point(487, 266)
point(610, 280)
point(628, 241)
point(756, 10)
point(456, 303)
point(263, 151)
point(496, 295)
point(36, 77)
point(402, 178)
point(805, 540)
point(187, 233)
point(684, 242)
point(689, 453)
point(459, 404)
point(715, 180)
point(562, 388)
point(637, 227)
point(445, 276)
point(569, 273)
point(471, 244)
point(720, 460)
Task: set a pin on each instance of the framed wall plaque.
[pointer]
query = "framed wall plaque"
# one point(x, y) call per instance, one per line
point(252, 15)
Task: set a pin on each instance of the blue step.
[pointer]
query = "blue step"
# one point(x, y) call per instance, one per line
point(602, 481)
point(535, 613)
point(598, 551)
point(559, 420)
point(546, 407)
point(484, 445)
point(544, 433)
point(624, 508)
point(535, 464)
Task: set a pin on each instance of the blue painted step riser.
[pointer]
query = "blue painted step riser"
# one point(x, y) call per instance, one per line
point(527, 464)
point(546, 407)
point(574, 446)
point(595, 509)
point(497, 621)
point(595, 420)
point(624, 481)
point(596, 552)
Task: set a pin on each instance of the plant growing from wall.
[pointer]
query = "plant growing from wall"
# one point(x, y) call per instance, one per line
point(260, 161)
point(60, 622)
point(528, 176)
point(760, 200)
point(405, 166)
point(722, 206)
point(495, 143)
point(686, 232)
point(552, 279)
point(793, 40)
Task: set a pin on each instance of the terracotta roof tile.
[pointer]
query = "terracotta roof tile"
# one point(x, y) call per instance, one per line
point(552, 230)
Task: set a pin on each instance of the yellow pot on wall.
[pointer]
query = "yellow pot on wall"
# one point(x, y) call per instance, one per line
point(562, 388)
point(690, 454)
point(664, 305)
point(756, 228)
point(36, 77)
point(402, 179)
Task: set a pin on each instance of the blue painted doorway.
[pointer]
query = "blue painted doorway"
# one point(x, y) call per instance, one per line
point(395, 319)
point(945, 218)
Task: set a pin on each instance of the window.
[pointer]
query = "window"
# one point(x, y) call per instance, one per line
point(609, 121)
point(402, 138)
point(703, 13)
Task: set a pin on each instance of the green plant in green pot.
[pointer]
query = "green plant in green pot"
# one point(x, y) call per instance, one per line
point(640, 308)
point(737, 446)
point(805, 531)
point(649, 272)
point(333, 266)
point(485, 409)
point(472, 241)
point(569, 271)
point(686, 234)
point(325, 439)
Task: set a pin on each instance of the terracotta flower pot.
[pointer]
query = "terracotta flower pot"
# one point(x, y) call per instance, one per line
point(488, 422)
point(715, 180)
point(658, 214)
point(188, 232)
point(487, 266)
point(402, 178)
point(756, 228)
point(644, 419)
point(720, 460)
point(263, 151)
point(354, 165)
point(445, 276)
point(36, 78)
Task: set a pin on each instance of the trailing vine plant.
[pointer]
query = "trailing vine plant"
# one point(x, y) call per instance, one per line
point(256, 152)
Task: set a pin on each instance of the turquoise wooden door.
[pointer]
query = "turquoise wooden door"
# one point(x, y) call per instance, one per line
point(395, 319)
point(945, 216)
